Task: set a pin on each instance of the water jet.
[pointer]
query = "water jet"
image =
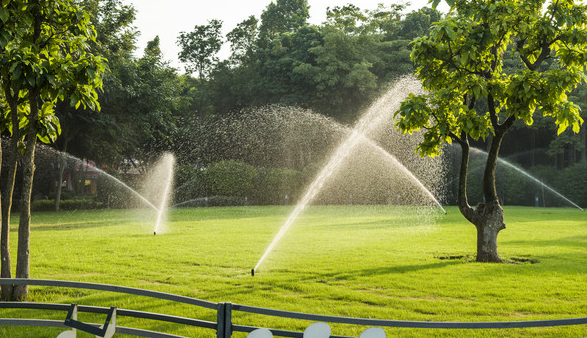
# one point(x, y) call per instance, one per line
point(532, 178)
point(377, 116)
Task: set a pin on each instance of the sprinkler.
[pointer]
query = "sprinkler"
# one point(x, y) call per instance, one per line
point(253, 272)
point(154, 232)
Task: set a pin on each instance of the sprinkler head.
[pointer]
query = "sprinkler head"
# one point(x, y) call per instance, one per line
point(154, 232)
point(253, 272)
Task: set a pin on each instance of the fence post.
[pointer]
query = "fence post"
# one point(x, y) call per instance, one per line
point(220, 320)
point(224, 320)
point(228, 320)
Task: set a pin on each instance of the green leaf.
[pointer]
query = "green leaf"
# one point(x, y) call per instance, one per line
point(4, 14)
point(16, 71)
point(30, 79)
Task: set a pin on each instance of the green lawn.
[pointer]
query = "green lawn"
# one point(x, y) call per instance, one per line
point(381, 262)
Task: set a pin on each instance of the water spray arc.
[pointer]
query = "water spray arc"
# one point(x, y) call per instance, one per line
point(405, 170)
point(162, 174)
point(374, 117)
point(105, 174)
point(532, 178)
point(168, 163)
point(339, 155)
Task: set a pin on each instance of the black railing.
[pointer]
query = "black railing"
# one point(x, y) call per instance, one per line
point(224, 325)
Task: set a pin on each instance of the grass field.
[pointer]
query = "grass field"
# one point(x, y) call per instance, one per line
point(381, 262)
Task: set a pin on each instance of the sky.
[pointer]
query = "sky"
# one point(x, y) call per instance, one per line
point(167, 19)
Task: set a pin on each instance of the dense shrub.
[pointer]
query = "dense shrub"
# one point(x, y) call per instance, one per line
point(190, 183)
point(573, 182)
point(277, 186)
point(230, 178)
point(75, 204)
point(214, 201)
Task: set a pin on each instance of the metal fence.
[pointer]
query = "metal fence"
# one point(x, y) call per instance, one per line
point(224, 326)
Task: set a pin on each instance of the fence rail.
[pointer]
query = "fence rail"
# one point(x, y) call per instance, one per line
point(224, 326)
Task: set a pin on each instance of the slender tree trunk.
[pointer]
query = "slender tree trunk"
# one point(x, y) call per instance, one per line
point(8, 189)
point(62, 163)
point(584, 144)
point(2, 234)
point(462, 199)
point(24, 227)
point(533, 147)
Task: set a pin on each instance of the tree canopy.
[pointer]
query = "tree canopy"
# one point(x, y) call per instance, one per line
point(44, 60)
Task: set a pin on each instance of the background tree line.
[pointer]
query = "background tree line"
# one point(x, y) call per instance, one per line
point(335, 69)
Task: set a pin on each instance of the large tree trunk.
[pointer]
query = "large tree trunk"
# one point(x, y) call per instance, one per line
point(8, 189)
point(488, 227)
point(488, 216)
point(24, 226)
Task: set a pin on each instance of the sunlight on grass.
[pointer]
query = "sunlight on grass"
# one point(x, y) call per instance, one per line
point(358, 261)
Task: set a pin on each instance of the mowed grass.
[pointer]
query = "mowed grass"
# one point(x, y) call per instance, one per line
point(380, 262)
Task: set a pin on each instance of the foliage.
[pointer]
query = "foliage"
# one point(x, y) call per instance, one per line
point(230, 178)
point(75, 204)
point(463, 57)
point(277, 186)
point(43, 47)
point(200, 46)
point(189, 183)
point(572, 178)
point(282, 17)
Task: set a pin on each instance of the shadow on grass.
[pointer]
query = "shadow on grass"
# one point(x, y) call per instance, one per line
point(390, 270)
point(574, 241)
point(66, 226)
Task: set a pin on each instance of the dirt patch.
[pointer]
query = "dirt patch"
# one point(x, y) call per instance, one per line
point(471, 258)
point(520, 260)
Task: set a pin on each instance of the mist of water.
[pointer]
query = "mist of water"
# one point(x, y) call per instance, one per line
point(160, 182)
point(102, 173)
point(156, 185)
point(376, 117)
point(411, 178)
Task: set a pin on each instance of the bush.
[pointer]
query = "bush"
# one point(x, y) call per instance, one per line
point(230, 178)
point(573, 182)
point(190, 183)
point(214, 201)
point(76, 204)
point(274, 184)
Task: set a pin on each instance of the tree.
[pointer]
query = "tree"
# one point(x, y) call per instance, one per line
point(356, 54)
point(198, 51)
point(199, 48)
point(460, 63)
point(115, 41)
point(44, 60)
point(242, 41)
point(284, 16)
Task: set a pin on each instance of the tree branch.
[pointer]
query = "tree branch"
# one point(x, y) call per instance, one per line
point(463, 201)
point(492, 111)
